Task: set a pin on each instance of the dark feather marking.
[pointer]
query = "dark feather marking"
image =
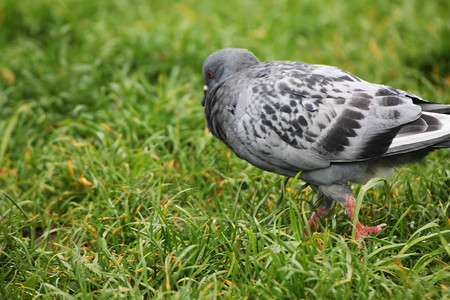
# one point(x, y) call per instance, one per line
point(302, 121)
point(430, 106)
point(256, 134)
point(379, 144)
point(348, 125)
point(432, 122)
point(360, 102)
point(267, 122)
point(245, 128)
point(353, 114)
point(418, 125)
point(396, 114)
point(286, 109)
point(299, 75)
point(261, 74)
point(333, 141)
point(262, 151)
point(339, 100)
point(269, 109)
point(310, 81)
point(343, 78)
point(392, 101)
point(297, 95)
point(283, 135)
point(309, 139)
point(284, 88)
point(221, 135)
point(317, 78)
point(352, 76)
point(385, 92)
point(344, 132)
point(364, 95)
point(293, 143)
point(311, 134)
point(309, 106)
point(338, 136)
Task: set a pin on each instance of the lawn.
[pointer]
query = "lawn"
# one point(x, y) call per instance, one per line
point(111, 186)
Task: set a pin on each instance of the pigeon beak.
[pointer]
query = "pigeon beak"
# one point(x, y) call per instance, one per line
point(205, 89)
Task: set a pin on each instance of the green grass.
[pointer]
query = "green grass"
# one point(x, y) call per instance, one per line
point(112, 188)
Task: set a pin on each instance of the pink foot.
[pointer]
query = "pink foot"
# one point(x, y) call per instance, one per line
point(361, 231)
point(322, 212)
point(312, 223)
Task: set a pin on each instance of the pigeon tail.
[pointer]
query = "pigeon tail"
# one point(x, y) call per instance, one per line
point(431, 130)
point(428, 106)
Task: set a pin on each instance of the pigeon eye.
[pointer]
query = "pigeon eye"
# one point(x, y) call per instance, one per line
point(210, 74)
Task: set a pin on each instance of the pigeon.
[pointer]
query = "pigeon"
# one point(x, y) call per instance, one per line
point(336, 129)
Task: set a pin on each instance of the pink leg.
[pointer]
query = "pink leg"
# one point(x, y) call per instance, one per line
point(321, 211)
point(360, 229)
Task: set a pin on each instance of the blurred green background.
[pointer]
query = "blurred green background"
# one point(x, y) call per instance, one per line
point(112, 187)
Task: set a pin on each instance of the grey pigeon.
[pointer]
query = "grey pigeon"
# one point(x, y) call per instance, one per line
point(286, 117)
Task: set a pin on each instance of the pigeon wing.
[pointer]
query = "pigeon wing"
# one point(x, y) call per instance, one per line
point(288, 116)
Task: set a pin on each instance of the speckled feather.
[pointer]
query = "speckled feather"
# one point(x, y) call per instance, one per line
point(287, 117)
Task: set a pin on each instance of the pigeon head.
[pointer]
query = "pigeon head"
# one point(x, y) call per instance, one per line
point(223, 63)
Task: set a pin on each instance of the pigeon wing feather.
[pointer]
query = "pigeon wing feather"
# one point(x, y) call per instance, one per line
point(288, 116)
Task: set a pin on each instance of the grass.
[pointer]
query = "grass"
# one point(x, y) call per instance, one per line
point(111, 187)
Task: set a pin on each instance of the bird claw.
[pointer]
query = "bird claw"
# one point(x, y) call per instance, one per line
point(312, 223)
point(362, 231)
